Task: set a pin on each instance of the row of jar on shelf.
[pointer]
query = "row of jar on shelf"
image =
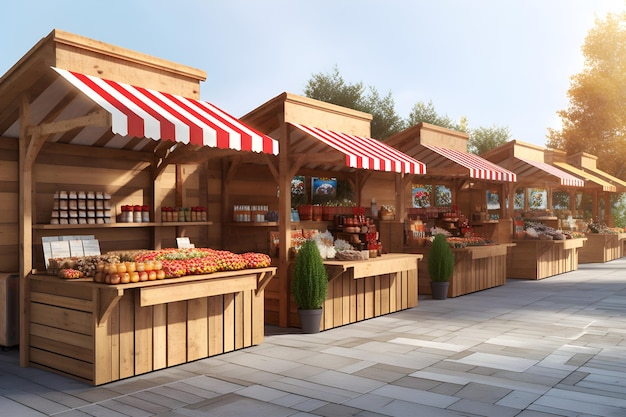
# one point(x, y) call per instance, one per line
point(141, 214)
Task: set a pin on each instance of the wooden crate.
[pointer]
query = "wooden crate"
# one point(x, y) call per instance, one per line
point(99, 333)
point(539, 259)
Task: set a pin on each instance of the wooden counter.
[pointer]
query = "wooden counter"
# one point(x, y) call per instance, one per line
point(476, 268)
point(538, 259)
point(360, 290)
point(602, 247)
point(100, 333)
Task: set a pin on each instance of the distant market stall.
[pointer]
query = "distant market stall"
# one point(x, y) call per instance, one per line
point(461, 195)
point(324, 141)
point(541, 249)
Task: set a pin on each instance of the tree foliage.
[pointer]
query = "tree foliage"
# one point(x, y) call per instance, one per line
point(595, 120)
point(425, 112)
point(331, 88)
point(483, 139)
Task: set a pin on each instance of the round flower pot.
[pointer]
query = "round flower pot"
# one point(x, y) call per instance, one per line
point(310, 320)
point(439, 290)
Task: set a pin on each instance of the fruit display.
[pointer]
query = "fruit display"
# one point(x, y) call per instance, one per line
point(69, 273)
point(122, 267)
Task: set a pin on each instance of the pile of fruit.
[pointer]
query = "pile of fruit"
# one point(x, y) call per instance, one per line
point(195, 261)
point(136, 266)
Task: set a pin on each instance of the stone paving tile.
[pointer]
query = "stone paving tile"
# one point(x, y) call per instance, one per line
point(125, 409)
point(12, 408)
point(235, 405)
point(482, 392)
point(517, 399)
point(467, 356)
point(483, 409)
point(142, 404)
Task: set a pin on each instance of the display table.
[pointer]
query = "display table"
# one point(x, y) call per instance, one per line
point(100, 333)
point(476, 268)
point(538, 259)
point(602, 247)
point(360, 290)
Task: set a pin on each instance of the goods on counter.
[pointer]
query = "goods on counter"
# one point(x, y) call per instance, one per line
point(121, 267)
point(194, 261)
point(87, 265)
point(536, 230)
point(68, 273)
point(462, 242)
point(350, 255)
point(604, 229)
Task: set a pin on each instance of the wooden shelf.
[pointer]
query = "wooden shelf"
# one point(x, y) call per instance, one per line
point(117, 225)
point(254, 224)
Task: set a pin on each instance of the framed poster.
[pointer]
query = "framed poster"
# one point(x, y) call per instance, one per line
point(323, 189)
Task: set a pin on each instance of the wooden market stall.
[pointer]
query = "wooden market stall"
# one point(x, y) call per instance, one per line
point(532, 201)
point(97, 126)
point(462, 186)
point(600, 247)
point(318, 139)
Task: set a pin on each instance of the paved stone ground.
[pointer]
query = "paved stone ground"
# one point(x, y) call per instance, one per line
point(554, 347)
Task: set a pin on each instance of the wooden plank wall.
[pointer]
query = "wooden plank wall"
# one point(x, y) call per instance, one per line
point(65, 337)
point(600, 248)
point(351, 300)
point(9, 195)
point(470, 275)
point(537, 259)
point(127, 177)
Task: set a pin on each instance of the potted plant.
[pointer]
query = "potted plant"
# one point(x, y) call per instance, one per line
point(440, 267)
point(309, 286)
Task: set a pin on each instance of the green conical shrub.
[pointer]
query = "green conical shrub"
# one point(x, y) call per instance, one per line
point(440, 260)
point(310, 280)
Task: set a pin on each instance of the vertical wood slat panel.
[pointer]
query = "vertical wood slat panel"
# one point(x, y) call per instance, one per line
point(197, 329)
point(127, 339)
point(159, 336)
point(216, 325)
point(229, 322)
point(238, 318)
point(176, 333)
point(143, 339)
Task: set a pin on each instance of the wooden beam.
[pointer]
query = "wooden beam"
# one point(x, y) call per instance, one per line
point(25, 230)
point(98, 118)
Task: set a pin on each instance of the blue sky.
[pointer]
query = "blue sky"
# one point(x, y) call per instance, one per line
point(497, 62)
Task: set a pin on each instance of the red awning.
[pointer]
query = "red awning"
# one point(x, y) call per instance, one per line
point(143, 113)
point(478, 167)
point(565, 178)
point(366, 153)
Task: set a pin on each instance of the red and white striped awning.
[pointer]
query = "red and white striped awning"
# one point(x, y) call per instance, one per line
point(565, 178)
point(144, 113)
point(478, 167)
point(366, 153)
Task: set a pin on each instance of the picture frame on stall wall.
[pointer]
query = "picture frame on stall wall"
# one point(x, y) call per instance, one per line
point(323, 189)
point(493, 200)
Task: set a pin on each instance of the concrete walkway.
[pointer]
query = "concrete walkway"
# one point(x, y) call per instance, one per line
point(554, 347)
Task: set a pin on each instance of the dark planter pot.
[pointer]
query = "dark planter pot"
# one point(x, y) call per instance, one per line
point(310, 320)
point(439, 289)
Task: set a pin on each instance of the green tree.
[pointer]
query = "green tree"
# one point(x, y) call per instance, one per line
point(425, 112)
point(483, 139)
point(332, 88)
point(595, 120)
